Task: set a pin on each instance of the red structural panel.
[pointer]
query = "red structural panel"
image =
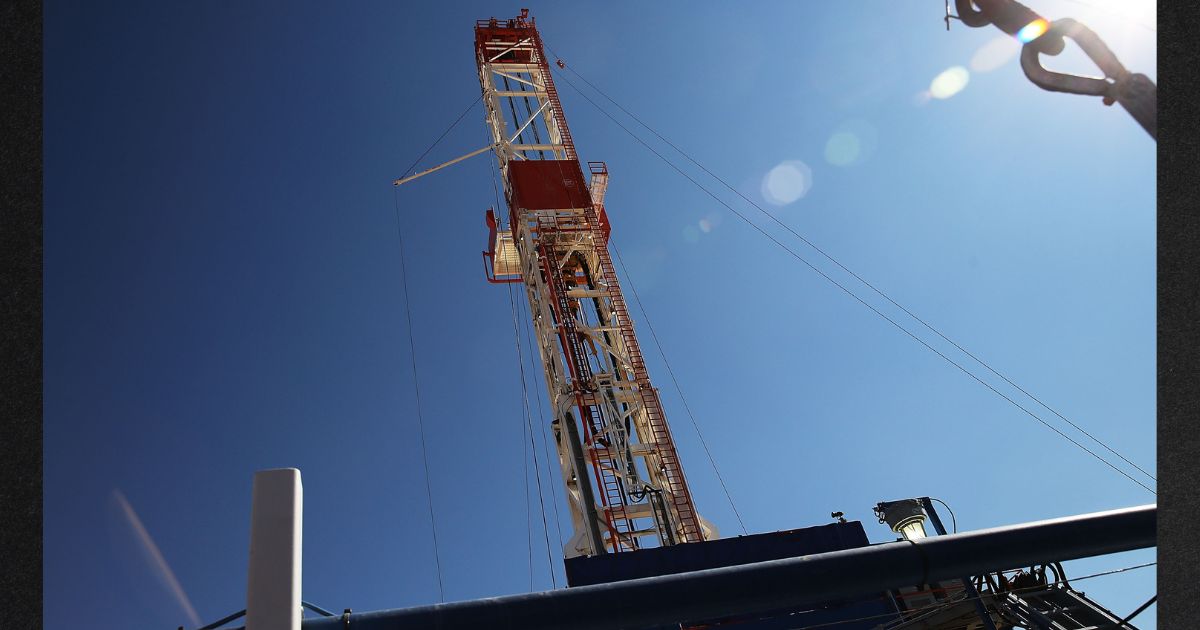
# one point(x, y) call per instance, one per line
point(548, 184)
point(605, 226)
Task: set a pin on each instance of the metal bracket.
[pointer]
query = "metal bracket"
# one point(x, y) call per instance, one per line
point(317, 609)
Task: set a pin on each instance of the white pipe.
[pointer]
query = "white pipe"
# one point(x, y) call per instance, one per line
point(276, 534)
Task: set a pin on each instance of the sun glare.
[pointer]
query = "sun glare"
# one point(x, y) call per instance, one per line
point(950, 82)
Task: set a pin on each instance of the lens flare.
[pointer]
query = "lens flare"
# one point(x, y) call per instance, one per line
point(157, 561)
point(997, 52)
point(949, 83)
point(787, 182)
point(842, 149)
point(851, 142)
point(1032, 30)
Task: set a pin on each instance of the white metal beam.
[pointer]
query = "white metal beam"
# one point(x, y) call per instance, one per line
point(527, 122)
point(519, 79)
point(441, 166)
point(509, 49)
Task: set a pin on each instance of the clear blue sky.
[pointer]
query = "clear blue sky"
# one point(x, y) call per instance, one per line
point(223, 289)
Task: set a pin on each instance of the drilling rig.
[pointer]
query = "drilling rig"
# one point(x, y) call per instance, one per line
point(625, 484)
point(640, 555)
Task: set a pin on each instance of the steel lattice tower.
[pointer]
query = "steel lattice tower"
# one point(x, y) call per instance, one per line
point(625, 484)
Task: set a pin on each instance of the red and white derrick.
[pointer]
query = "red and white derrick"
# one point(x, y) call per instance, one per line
point(625, 484)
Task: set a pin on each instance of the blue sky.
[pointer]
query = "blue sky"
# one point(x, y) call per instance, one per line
point(223, 289)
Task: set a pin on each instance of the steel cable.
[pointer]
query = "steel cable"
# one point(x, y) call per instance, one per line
point(678, 389)
point(529, 428)
point(839, 285)
point(855, 275)
point(413, 350)
point(541, 415)
point(417, 391)
point(439, 139)
point(524, 444)
point(537, 469)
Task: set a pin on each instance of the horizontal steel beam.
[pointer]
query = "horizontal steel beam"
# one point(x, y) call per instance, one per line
point(779, 584)
point(535, 147)
point(519, 94)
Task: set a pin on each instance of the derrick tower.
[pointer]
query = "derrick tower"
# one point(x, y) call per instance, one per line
point(626, 487)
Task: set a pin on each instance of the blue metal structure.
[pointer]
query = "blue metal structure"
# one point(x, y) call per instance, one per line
point(728, 552)
point(806, 582)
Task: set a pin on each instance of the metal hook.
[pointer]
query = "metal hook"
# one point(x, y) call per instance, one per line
point(1135, 92)
point(1074, 84)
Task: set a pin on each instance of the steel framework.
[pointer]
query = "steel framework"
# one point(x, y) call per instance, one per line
point(625, 484)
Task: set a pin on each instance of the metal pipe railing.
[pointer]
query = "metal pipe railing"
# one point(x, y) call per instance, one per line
point(779, 584)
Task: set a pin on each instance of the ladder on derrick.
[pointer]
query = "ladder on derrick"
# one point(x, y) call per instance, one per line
point(552, 94)
point(599, 450)
point(677, 493)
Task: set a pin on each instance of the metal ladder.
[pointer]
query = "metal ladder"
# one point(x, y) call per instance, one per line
point(678, 494)
point(551, 93)
point(612, 496)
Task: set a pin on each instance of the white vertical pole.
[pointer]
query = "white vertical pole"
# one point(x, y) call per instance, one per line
point(273, 584)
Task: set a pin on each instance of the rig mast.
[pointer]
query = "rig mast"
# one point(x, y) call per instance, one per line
point(625, 484)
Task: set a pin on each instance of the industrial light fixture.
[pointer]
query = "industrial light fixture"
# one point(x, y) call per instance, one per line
point(906, 517)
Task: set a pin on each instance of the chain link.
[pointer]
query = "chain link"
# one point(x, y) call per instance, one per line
point(1134, 91)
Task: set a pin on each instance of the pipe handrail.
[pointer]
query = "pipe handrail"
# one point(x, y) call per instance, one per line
point(780, 584)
